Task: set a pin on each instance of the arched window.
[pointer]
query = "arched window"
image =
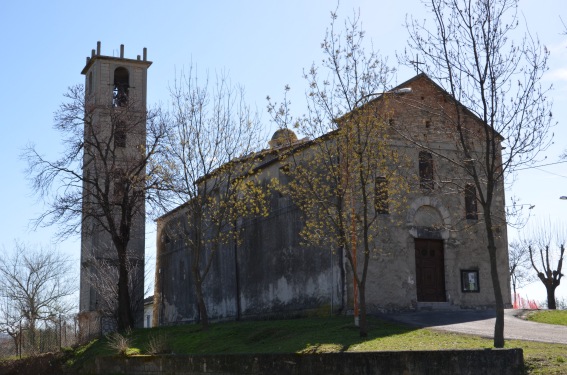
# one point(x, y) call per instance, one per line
point(425, 170)
point(121, 86)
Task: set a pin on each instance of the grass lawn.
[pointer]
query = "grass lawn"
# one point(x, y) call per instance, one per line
point(549, 316)
point(318, 335)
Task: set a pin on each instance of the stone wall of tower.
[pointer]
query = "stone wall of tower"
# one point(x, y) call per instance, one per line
point(102, 115)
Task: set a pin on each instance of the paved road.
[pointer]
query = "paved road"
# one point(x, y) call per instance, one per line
point(481, 323)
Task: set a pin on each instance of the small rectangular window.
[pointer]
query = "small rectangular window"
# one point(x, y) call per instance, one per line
point(381, 195)
point(120, 138)
point(469, 166)
point(426, 170)
point(120, 134)
point(469, 281)
point(470, 202)
point(120, 185)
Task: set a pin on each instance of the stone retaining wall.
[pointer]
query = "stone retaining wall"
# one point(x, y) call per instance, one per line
point(489, 361)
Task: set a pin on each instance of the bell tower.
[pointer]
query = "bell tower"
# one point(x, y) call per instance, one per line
point(113, 187)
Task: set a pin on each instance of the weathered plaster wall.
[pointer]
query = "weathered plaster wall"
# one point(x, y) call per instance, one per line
point(278, 275)
point(268, 274)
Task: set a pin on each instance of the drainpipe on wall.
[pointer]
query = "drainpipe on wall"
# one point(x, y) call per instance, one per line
point(236, 271)
point(331, 268)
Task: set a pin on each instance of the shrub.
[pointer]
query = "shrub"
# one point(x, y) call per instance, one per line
point(158, 344)
point(119, 343)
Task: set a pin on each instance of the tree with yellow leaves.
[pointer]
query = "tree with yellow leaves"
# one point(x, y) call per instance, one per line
point(348, 178)
point(208, 165)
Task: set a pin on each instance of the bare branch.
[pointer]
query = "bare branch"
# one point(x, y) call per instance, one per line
point(208, 167)
point(498, 112)
point(548, 240)
point(35, 286)
point(100, 181)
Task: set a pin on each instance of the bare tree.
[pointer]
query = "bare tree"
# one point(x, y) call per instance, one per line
point(471, 49)
point(10, 319)
point(35, 285)
point(209, 169)
point(95, 182)
point(102, 277)
point(546, 247)
point(347, 179)
point(519, 264)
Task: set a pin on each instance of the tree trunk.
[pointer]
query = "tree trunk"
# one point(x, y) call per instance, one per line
point(514, 291)
point(32, 336)
point(362, 323)
point(125, 320)
point(16, 346)
point(499, 325)
point(551, 305)
point(204, 317)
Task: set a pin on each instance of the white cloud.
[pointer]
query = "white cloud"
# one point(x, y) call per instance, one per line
point(559, 48)
point(559, 74)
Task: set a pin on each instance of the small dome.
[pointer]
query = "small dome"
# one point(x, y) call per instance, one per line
point(283, 137)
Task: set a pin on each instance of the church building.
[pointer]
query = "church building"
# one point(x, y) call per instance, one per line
point(433, 253)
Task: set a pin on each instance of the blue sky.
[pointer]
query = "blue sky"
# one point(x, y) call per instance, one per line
point(262, 45)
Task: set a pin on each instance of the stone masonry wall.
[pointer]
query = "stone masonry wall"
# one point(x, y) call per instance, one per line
point(478, 362)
